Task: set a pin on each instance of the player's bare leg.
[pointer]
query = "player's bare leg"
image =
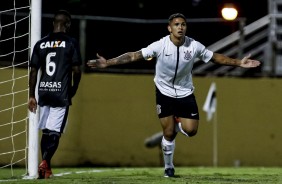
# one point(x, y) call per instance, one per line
point(168, 144)
point(188, 127)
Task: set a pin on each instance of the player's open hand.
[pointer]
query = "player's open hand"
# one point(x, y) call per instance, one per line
point(100, 62)
point(249, 63)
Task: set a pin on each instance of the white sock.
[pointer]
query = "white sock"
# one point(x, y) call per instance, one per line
point(178, 128)
point(168, 151)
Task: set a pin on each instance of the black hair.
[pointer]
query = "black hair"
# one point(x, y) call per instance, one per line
point(62, 17)
point(176, 15)
point(63, 12)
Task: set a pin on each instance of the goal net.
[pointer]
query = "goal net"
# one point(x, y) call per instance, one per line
point(16, 41)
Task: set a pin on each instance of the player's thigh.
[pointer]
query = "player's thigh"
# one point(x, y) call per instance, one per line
point(57, 119)
point(43, 116)
point(167, 122)
point(189, 125)
point(186, 108)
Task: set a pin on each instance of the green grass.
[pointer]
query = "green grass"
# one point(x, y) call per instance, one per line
point(189, 175)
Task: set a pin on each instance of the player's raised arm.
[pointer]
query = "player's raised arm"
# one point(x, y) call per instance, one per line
point(245, 62)
point(128, 57)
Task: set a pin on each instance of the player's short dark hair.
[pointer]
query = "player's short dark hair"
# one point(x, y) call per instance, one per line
point(63, 12)
point(176, 15)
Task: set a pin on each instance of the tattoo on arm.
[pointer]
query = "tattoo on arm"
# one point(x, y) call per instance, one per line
point(224, 60)
point(126, 58)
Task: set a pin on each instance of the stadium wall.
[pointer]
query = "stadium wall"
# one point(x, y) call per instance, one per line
point(113, 114)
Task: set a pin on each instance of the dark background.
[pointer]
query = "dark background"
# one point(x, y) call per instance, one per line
point(110, 38)
point(152, 9)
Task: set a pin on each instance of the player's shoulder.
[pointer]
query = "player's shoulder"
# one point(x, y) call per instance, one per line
point(192, 42)
point(189, 39)
point(162, 42)
point(42, 39)
point(70, 39)
point(165, 39)
point(59, 36)
point(162, 39)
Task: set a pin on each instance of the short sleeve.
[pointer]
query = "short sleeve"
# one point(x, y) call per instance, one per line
point(151, 50)
point(204, 53)
point(35, 57)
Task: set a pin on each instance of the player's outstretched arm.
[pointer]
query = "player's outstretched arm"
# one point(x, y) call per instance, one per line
point(128, 57)
point(246, 62)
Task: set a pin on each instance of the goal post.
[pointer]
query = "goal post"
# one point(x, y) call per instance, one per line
point(33, 145)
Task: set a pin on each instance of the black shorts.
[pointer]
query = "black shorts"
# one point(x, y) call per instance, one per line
point(180, 107)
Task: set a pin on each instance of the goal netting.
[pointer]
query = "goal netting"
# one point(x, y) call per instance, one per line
point(17, 127)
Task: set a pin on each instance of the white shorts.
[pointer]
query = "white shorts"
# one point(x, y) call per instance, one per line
point(53, 118)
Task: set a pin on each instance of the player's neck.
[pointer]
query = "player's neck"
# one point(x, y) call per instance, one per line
point(177, 41)
point(59, 28)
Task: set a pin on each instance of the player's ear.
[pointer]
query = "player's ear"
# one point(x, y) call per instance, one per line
point(169, 29)
point(68, 24)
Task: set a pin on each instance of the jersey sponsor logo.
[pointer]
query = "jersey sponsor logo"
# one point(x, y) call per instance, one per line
point(52, 44)
point(187, 55)
point(50, 86)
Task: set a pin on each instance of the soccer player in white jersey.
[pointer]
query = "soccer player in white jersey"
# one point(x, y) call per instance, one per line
point(58, 56)
point(175, 55)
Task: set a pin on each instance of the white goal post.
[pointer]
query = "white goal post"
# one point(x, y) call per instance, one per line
point(20, 29)
point(35, 35)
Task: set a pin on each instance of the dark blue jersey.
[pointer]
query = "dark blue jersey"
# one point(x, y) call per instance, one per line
point(55, 54)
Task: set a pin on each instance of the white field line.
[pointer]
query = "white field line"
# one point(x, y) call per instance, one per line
point(78, 172)
point(57, 175)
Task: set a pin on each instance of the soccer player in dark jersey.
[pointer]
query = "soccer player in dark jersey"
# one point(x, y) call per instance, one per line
point(58, 56)
point(176, 104)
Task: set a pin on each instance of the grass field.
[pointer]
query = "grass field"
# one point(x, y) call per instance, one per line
point(189, 175)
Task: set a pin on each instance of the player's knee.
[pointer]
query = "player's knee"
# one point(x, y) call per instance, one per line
point(192, 132)
point(169, 135)
point(45, 132)
point(54, 135)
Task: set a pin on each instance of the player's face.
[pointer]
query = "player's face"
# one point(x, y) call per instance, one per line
point(178, 27)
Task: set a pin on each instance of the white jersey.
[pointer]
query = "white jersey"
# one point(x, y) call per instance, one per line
point(174, 64)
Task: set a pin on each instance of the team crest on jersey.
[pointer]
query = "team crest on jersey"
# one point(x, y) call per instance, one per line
point(187, 55)
point(52, 44)
point(159, 109)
